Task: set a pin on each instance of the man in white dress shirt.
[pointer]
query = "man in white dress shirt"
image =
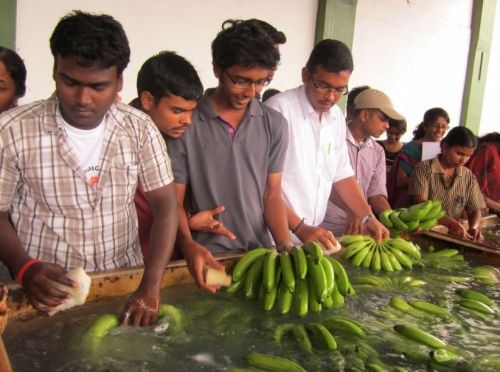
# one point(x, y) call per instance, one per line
point(317, 156)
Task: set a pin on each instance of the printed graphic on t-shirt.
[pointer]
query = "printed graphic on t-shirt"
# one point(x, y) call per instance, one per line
point(92, 175)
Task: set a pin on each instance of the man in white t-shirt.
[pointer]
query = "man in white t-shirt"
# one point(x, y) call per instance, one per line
point(317, 157)
point(69, 170)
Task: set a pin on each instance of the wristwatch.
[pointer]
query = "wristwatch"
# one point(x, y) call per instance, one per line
point(366, 218)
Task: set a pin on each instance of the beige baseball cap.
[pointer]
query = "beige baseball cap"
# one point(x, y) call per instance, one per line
point(375, 99)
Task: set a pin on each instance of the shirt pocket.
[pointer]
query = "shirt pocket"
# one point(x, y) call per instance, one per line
point(122, 183)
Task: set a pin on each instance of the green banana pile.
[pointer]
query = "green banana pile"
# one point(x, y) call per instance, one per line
point(390, 255)
point(303, 278)
point(387, 283)
point(421, 216)
point(487, 274)
point(321, 332)
point(475, 302)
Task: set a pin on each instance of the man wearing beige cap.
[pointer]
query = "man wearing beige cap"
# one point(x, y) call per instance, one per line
point(317, 158)
point(368, 113)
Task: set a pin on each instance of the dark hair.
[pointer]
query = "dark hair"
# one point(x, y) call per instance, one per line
point(490, 137)
point(269, 93)
point(400, 125)
point(333, 55)
point(460, 136)
point(430, 117)
point(167, 73)
point(353, 93)
point(247, 44)
point(16, 69)
point(278, 37)
point(91, 38)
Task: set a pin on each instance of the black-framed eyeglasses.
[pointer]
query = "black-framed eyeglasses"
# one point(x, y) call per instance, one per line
point(242, 83)
point(327, 88)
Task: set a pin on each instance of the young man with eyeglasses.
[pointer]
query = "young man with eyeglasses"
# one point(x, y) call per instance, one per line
point(233, 153)
point(368, 114)
point(317, 156)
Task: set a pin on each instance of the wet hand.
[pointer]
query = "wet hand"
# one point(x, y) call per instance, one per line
point(324, 237)
point(374, 228)
point(140, 310)
point(37, 283)
point(198, 258)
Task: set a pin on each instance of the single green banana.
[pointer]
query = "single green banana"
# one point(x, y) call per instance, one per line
point(358, 258)
point(236, 286)
point(269, 271)
point(384, 218)
point(403, 259)
point(285, 298)
point(93, 337)
point(299, 261)
point(315, 304)
point(287, 271)
point(445, 253)
point(400, 304)
point(341, 277)
point(405, 246)
point(301, 298)
point(345, 325)
point(384, 259)
point(273, 363)
point(337, 297)
point(281, 330)
point(473, 295)
point(477, 306)
point(314, 250)
point(376, 263)
point(254, 278)
point(397, 222)
point(246, 261)
point(430, 308)
point(328, 302)
point(427, 224)
point(394, 261)
point(347, 240)
point(443, 356)
point(323, 335)
point(175, 315)
point(270, 297)
point(300, 333)
point(317, 276)
point(416, 334)
point(367, 261)
point(329, 275)
point(435, 211)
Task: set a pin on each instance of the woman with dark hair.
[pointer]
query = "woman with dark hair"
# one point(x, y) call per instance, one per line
point(485, 164)
point(431, 129)
point(446, 178)
point(12, 78)
point(393, 145)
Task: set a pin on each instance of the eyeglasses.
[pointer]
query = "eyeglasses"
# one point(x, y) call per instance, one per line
point(440, 127)
point(327, 88)
point(242, 83)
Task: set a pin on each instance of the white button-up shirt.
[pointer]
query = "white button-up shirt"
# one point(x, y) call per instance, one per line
point(316, 157)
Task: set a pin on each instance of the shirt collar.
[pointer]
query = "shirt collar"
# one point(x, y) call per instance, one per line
point(368, 142)
point(436, 167)
point(207, 112)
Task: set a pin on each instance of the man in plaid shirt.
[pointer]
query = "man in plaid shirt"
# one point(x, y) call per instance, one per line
point(69, 168)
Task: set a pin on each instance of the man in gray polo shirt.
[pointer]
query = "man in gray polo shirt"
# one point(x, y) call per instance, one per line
point(233, 153)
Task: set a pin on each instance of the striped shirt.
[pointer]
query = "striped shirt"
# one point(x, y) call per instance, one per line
point(463, 193)
point(58, 217)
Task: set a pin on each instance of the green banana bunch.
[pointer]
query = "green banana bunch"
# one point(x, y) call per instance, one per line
point(321, 338)
point(390, 255)
point(270, 362)
point(421, 216)
point(487, 274)
point(303, 280)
